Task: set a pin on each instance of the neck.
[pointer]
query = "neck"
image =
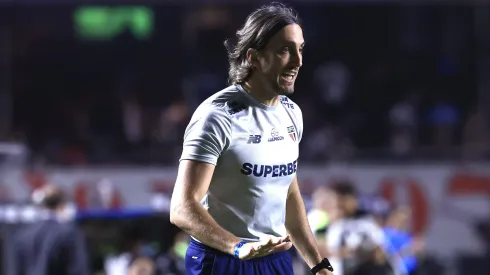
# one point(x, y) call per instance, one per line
point(265, 96)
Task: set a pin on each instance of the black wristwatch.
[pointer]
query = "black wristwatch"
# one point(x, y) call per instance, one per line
point(324, 264)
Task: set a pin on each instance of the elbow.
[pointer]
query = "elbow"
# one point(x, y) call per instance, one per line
point(179, 214)
point(182, 212)
point(175, 215)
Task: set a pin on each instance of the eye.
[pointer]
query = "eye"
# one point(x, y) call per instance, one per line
point(284, 49)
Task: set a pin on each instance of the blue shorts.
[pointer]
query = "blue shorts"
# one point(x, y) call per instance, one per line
point(204, 260)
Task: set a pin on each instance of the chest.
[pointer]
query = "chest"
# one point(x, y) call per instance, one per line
point(265, 144)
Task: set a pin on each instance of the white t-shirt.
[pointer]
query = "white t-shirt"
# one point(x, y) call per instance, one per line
point(255, 150)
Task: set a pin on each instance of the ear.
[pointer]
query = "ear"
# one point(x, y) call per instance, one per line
point(252, 57)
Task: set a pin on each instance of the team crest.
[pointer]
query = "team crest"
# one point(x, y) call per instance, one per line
point(292, 133)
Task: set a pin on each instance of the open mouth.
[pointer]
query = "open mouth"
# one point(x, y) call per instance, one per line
point(289, 76)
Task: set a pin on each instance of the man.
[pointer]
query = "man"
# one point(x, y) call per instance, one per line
point(132, 247)
point(355, 241)
point(236, 191)
point(51, 246)
point(324, 211)
point(408, 247)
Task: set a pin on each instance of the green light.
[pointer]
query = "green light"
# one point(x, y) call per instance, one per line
point(105, 23)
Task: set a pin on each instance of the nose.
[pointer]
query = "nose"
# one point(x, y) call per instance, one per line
point(297, 59)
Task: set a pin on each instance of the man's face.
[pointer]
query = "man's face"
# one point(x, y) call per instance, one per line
point(348, 204)
point(280, 60)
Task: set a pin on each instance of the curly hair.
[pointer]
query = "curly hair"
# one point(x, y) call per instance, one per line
point(258, 29)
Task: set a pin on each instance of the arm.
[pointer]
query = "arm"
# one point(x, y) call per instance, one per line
point(78, 263)
point(298, 227)
point(206, 137)
point(187, 213)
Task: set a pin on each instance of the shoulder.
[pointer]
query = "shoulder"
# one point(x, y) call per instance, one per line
point(222, 105)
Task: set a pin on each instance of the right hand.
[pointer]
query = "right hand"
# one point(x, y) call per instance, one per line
point(265, 247)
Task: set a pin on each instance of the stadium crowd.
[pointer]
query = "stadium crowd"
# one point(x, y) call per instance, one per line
point(366, 93)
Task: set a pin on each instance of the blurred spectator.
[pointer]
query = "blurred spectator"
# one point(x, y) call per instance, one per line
point(320, 143)
point(324, 209)
point(132, 248)
point(173, 262)
point(132, 121)
point(403, 123)
point(323, 212)
point(355, 240)
point(476, 136)
point(332, 80)
point(400, 241)
point(52, 246)
point(483, 231)
point(142, 266)
point(328, 143)
point(172, 119)
point(444, 116)
point(377, 206)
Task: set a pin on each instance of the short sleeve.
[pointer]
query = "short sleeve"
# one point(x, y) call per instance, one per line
point(207, 135)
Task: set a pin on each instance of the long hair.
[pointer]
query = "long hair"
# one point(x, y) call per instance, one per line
point(258, 29)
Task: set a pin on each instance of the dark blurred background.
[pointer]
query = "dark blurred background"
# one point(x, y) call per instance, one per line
point(95, 96)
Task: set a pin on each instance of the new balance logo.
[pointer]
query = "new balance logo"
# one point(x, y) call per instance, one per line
point(255, 139)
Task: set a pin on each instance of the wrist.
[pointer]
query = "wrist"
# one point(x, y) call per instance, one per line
point(315, 260)
point(232, 246)
point(323, 264)
point(236, 250)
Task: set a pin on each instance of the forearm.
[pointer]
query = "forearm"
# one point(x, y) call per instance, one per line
point(303, 240)
point(299, 229)
point(192, 218)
